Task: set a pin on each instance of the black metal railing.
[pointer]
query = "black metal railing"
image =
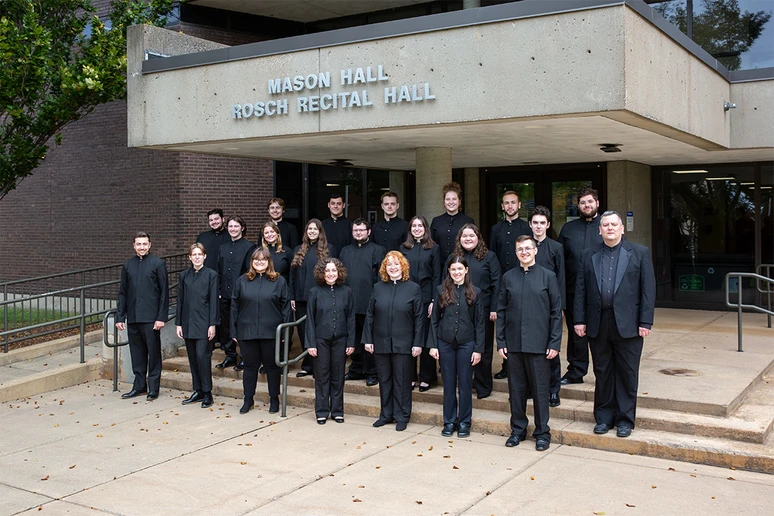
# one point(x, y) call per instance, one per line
point(739, 305)
point(768, 268)
point(284, 345)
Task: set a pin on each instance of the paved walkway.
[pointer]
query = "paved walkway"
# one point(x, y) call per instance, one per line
point(83, 450)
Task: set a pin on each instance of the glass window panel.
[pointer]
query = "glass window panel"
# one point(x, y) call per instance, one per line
point(564, 202)
point(526, 193)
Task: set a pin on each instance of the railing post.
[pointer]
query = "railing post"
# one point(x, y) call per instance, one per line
point(83, 326)
point(5, 318)
point(286, 362)
point(739, 310)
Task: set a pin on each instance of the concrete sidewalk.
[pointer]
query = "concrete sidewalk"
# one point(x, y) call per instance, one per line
point(83, 450)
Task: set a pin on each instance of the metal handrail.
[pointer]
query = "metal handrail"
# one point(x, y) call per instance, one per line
point(739, 305)
point(115, 344)
point(285, 363)
point(768, 291)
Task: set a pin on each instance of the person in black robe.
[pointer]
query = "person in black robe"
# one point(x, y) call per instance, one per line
point(503, 236)
point(391, 231)
point(529, 335)
point(445, 228)
point(197, 317)
point(143, 309)
point(280, 252)
point(288, 231)
point(215, 237)
point(393, 333)
point(457, 341)
point(362, 260)
point(484, 274)
point(314, 246)
point(330, 337)
point(338, 228)
point(424, 257)
point(260, 303)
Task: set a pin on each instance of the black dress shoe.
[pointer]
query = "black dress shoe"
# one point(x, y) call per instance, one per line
point(248, 404)
point(273, 405)
point(261, 370)
point(624, 431)
point(207, 401)
point(339, 419)
point(542, 443)
point(501, 375)
point(424, 388)
point(240, 366)
point(482, 396)
point(152, 395)
point(303, 373)
point(352, 376)
point(514, 440)
point(228, 361)
point(381, 422)
point(601, 428)
point(464, 431)
point(400, 426)
point(132, 393)
point(448, 430)
point(553, 399)
point(196, 396)
point(371, 381)
point(321, 420)
point(568, 381)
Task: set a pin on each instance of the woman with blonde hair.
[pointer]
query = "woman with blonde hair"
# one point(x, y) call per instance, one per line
point(271, 239)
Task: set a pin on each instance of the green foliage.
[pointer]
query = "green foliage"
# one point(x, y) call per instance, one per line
point(59, 61)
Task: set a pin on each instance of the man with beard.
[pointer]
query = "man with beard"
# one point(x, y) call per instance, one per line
point(503, 242)
point(212, 239)
point(338, 228)
point(288, 231)
point(577, 235)
point(391, 231)
point(231, 265)
point(362, 260)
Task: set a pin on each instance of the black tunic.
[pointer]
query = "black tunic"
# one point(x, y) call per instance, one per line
point(394, 320)
point(212, 240)
point(550, 255)
point(232, 257)
point(458, 322)
point(330, 315)
point(258, 307)
point(445, 228)
point(338, 232)
point(362, 262)
point(503, 241)
point(577, 235)
point(288, 234)
point(302, 277)
point(484, 274)
point(529, 311)
point(281, 260)
point(197, 302)
point(425, 265)
point(390, 234)
point(143, 295)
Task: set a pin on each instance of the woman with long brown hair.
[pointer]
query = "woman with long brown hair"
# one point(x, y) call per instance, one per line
point(261, 301)
point(271, 239)
point(457, 341)
point(314, 247)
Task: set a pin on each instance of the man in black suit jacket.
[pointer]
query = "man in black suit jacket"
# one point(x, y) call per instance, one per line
point(615, 297)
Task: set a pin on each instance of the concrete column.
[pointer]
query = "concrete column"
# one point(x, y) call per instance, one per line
point(471, 194)
point(434, 169)
point(398, 185)
point(628, 189)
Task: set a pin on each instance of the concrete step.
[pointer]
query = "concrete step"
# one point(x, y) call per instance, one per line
point(644, 441)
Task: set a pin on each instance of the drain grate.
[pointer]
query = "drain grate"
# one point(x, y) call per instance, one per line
point(676, 371)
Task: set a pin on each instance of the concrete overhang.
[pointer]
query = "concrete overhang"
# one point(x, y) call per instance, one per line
point(545, 88)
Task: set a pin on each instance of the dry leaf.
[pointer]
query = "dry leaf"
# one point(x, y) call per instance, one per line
point(56, 425)
point(413, 442)
point(71, 467)
point(731, 478)
point(630, 505)
point(361, 487)
point(455, 467)
point(732, 468)
point(99, 435)
point(532, 478)
point(378, 467)
point(447, 456)
point(45, 478)
point(694, 476)
point(488, 493)
point(600, 513)
point(419, 455)
point(430, 449)
point(243, 463)
point(357, 500)
point(671, 469)
point(713, 497)
point(358, 446)
point(419, 502)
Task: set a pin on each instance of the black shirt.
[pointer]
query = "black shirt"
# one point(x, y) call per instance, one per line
point(444, 229)
point(425, 266)
point(302, 277)
point(338, 232)
point(503, 241)
point(484, 274)
point(458, 322)
point(607, 274)
point(288, 234)
point(212, 240)
point(394, 320)
point(232, 257)
point(390, 234)
point(330, 315)
point(258, 307)
point(281, 260)
point(197, 302)
point(362, 262)
point(143, 295)
point(577, 235)
point(550, 255)
point(529, 311)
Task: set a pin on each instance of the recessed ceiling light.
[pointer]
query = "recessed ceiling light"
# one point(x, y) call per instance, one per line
point(720, 178)
point(689, 171)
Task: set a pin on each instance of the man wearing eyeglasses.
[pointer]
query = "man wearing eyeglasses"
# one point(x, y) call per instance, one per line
point(529, 335)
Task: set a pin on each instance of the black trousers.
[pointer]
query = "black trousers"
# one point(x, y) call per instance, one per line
point(428, 367)
point(200, 359)
point(307, 364)
point(329, 368)
point(145, 349)
point(617, 368)
point(528, 372)
point(394, 373)
point(456, 367)
point(362, 362)
point(555, 383)
point(226, 341)
point(256, 353)
point(482, 372)
point(577, 350)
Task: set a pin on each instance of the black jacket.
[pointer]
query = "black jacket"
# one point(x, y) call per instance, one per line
point(330, 315)
point(635, 290)
point(362, 263)
point(503, 241)
point(288, 234)
point(550, 255)
point(197, 302)
point(212, 242)
point(389, 234)
point(458, 322)
point(394, 320)
point(302, 277)
point(281, 260)
point(577, 235)
point(529, 311)
point(425, 266)
point(338, 232)
point(444, 229)
point(232, 257)
point(258, 307)
point(143, 295)
point(484, 274)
